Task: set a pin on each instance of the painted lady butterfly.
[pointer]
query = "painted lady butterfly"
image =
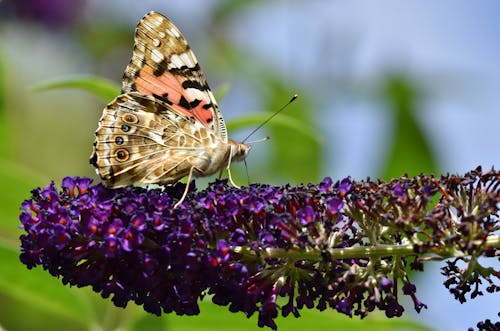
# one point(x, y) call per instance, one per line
point(166, 123)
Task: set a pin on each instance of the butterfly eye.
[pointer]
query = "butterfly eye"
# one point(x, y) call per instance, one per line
point(122, 154)
point(130, 118)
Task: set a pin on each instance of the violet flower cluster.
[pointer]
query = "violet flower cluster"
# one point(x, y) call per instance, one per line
point(268, 250)
point(50, 13)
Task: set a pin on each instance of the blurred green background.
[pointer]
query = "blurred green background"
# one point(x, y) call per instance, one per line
point(384, 89)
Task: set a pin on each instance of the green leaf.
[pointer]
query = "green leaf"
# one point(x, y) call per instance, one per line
point(39, 294)
point(217, 318)
point(39, 289)
point(284, 121)
point(410, 151)
point(17, 182)
point(34, 290)
point(151, 322)
point(100, 87)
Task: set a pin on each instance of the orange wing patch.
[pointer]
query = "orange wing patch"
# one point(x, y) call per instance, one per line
point(171, 89)
point(164, 66)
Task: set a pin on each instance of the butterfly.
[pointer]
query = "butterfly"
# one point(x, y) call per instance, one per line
point(165, 124)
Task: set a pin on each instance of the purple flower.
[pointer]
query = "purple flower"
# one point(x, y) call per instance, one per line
point(52, 13)
point(409, 289)
point(345, 306)
point(326, 184)
point(386, 284)
point(306, 215)
point(334, 205)
point(344, 186)
point(247, 247)
point(399, 192)
point(393, 308)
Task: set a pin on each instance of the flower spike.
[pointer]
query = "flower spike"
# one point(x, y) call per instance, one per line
point(341, 245)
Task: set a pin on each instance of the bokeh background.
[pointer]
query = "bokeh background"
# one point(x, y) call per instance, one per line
point(386, 87)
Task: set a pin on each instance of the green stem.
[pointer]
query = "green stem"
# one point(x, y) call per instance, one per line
point(377, 251)
point(371, 251)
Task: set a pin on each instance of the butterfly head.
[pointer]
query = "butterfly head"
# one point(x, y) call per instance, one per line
point(239, 151)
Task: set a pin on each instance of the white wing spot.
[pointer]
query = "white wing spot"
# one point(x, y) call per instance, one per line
point(175, 61)
point(173, 32)
point(156, 21)
point(179, 60)
point(194, 93)
point(156, 42)
point(157, 56)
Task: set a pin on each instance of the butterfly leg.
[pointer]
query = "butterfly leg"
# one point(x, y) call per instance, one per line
point(229, 171)
point(177, 204)
point(231, 178)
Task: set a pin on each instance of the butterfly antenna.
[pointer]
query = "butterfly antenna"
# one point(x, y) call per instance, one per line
point(257, 141)
point(295, 96)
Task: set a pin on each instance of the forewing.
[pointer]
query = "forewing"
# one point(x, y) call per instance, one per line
point(164, 66)
point(142, 140)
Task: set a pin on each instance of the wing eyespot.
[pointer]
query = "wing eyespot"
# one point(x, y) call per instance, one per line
point(122, 155)
point(130, 118)
point(125, 128)
point(119, 140)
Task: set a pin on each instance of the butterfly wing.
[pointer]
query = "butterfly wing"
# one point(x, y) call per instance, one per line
point(164, 66)
point(140, 139)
